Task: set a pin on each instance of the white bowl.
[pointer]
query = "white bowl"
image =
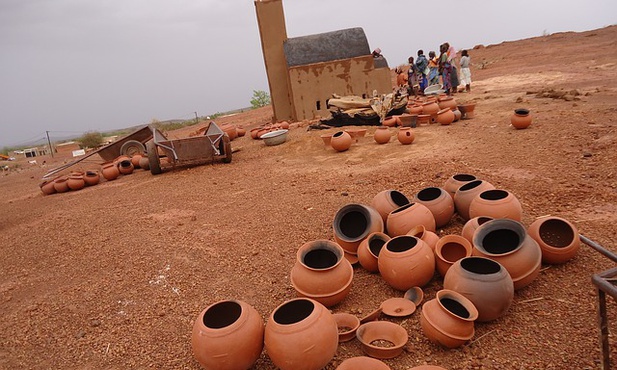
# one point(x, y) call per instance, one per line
point(275, 137)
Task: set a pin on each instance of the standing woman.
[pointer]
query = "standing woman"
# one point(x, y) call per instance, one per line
point(465, 71)
point(445, 68)
point(453, 71)
point(433, 67)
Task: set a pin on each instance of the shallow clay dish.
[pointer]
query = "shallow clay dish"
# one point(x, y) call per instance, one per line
point(347, 325)
point(415, 294)
point(398, 307)
point(382, 339)
point(362, 363)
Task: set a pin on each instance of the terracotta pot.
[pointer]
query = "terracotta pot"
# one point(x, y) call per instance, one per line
point(557, 237)
point(448, 319)
point(408, 120)
point(470, 227)
point(369, 249)
point(507, 242)
point(242, 131)
point(301, 334)
point(341, 141)
point(61, 184)
point(445, 116)
point(382, 135)
point(406, 261)
point(125, 167)
point(439, 202)
point(321, 272)
point(285, 125)
point(496, 203)
point(373, 331)
point(228, 335)
point(484, 282)
point(467, 110)
point(121, 158)
point(521, 119)
point(356, 133)
point(230, 130)
point(362, 363)
point(424, 119)
point(110, 171)
point(347, 325)
point(456, 181)
point(47, 187)
point(449, 249)
point(387, 201)
point(416, 109)
point(465, 194)
point(354, 222)
point(254, 133)
point(429, 237)
point(326, 139)
point(144, 163)
point(135, 160)
point(431, 108)
point(390, 121)
point(76, 182)
point(402, 219)
point(405, 135)
point(91, 177)
point(447, 102)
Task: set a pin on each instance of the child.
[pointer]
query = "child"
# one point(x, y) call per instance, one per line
point(465, 71)
point(433, 67)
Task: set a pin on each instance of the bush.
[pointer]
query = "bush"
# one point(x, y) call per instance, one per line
point(260, 99)
point(91, 139)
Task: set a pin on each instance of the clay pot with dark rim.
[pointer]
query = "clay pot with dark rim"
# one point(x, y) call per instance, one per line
point(427, 236)
point(301, 334)
point(125, 167)
point(92, 177)
point(76, 181)
point(110, 171)
point(439, 202)
point(61, 184)
point(404, 218)
point(390, 121)
point(448, 319)
point(382, 135)
point(374, 331)
point(449, 249)
point(406, 261)
point(471, 225)
point(369, 249)
point(485, 283)
point(521, 119)
point(354, 222)
point(496, 203)
point(362, 363)
point(321, 272)
point(405, 135)
point(456, 181)
point(228, 335)
point(445, 116)
point(341, 141)
point(557, 237)
point(465, 194)
point(387, 201)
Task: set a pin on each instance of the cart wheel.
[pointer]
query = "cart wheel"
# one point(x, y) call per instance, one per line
point(225, 147)
point(132, 147)
point(153, 158)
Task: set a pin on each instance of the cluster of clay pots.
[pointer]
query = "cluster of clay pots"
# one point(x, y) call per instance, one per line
point(76, 180)
point(233, 131)
point(124, 165)
point(257, 132)
point(440, 109)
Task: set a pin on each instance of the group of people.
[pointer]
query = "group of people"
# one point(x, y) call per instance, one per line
point(424, 72)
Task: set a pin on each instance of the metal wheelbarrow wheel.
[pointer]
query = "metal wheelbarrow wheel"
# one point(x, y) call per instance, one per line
point(153, 158)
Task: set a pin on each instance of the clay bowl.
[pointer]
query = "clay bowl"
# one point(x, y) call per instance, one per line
point(382, 339)
point(326, 139)
point(362, 363)
point(356, 133)
point(415, 294)
point(398, 307)
point(347, 325)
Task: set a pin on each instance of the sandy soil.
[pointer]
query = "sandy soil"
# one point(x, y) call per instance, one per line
point(114, 275)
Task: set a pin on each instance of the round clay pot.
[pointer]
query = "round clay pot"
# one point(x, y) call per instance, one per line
point(125, 167)
point(285, 125)
point(470, 227)
point(496, 203)
point(301, 334)
point(135, 160)
point(110, 171)
point(447, 102)
point(467, 110)
point(445, 116)
point(347, 325)
point(47, 187)
point(387, 201)
point(230, 130)
point(61, 184)
point(374, 331)
point(91, 177)
point(242, 131)
point(465, 194)
point(449, 249)
point(431, 108)
point(521, 119)
point(369, 249)
point(76, 181)
point(456, 181)
point(429, 237)
point(382, 135)
point(362, 363)
point(415, 109)
point(144, 163)
point(405, 135)
point(448, 319)
point(390, 121)
point(121, 158)
point(354, 222)
point(507, 242)
point(321, 272)
point(424, 119)
point(255, 133)
point(557, 237)
point(406, 261)
point(341, 141)
point(402, 219)
point(228, 335)
point(439, 202)
point(484, 282)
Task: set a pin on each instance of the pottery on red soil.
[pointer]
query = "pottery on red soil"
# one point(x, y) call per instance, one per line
point(76, 181)
point(429, 237)
point(406, 261)
point(91, 177)
point(449, 249)
point(470, 227)
point(125, 167)
point(557, 237)
point(445, 116)
point(362, 363)
point(466, 193)
point(496, 203)
point(382, 135)
point(390, 121)
point(47, 187)
point(405, 135)
point(448, 319)
point(456, 181)
point(404, 218)
point(61, 184)
point(439, 202)
point(341, 141)
point(371, 332)
point(521, 119)
point(369, 249)
point(354, 222)
point(387, 201)
point(447, 102)
point(110, 171)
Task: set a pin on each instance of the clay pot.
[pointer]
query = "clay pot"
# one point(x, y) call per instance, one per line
point(484, 282)
point(61, 184)
point(284, 125)
point(47, 187)
point(439, 202)
point(356, 133)
point(387, 201)
point(402, 219)
point(76, 181)
point(557, 237)
point(373, 331)
point(390, 121)
point(448, 319)
point(228, 335)
point(121, 158)
point(301, 334)
point(91, 177)
point(382, 135)
point(447, 102)
point(496, 203)
point(362, 363)
point(326, 139)
point(354, 222)
point(467, 110)
point(254, 133)
point(470, 227)
point(429, 237)
point(242, 131)
point(321, 272)
point(405, 135)
point(521, 119)
point(347, 325)
point(449, 249)
point(144, 163)
point(431, 108)
point(456, 181)
point(110, 171)
point(445, 116)
point(424, 119)
point(416, 109)
point(465, 194)
point(230, 130)
point(126, 167)
point(507, 242)
point(369, 249)
point(406, 261)
point(341, 141)
point(135, 160)
point(408, 120)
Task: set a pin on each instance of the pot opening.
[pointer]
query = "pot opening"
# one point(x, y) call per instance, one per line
point(429, 194)
point(398, 198)
point(320, 259)
point(482, 220)
point(375, 245)
point(453, 252)
point(403, 207)
point(464, 177)
point(501, 241)
point(222, 314)
point(470, 185)
point(401, 243)
point(494, 194)
point(479, 265)
point(126, 163)
point(353, 224)
point(455, 307)
point(340, 133)
point(293, 311)
point(91, 173)
point(521, 111)
point(556, 233)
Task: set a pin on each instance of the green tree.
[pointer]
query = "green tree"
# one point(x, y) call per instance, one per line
point(260, 99)
point(91, 139)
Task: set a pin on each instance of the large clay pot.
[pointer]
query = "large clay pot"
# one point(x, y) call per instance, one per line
point(456, 181)
point(301, 334)
point(382, 135)
point(415, 109)
point(507, 242)
point(427, 236)
point(402, 219)
point(242, 131)
point(484, 282)
point(496, 203)
point(144, 163)
point(470, 227)
point(465, 194)
point(390, 121)
point(405, 135)
point(76, 181)
point(387, 201)
point(110, 171)
point(91, 177)
point(125, 167)
point(439, 202)
point(447, 102)
point(135, 159)
point(448, 319)
point(406, 261)
point(445, 116)
point(341, 141)
point(521, 119)
point(431, 108)
point(228, 335)
point(354, 222)
point(362, 363)
point(557, 237)
point(369, 249)
point(321, 272)
point(448, 250)
point(61, 184)
point(47, 187)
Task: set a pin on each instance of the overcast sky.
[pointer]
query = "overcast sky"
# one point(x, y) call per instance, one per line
point(71, 66)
